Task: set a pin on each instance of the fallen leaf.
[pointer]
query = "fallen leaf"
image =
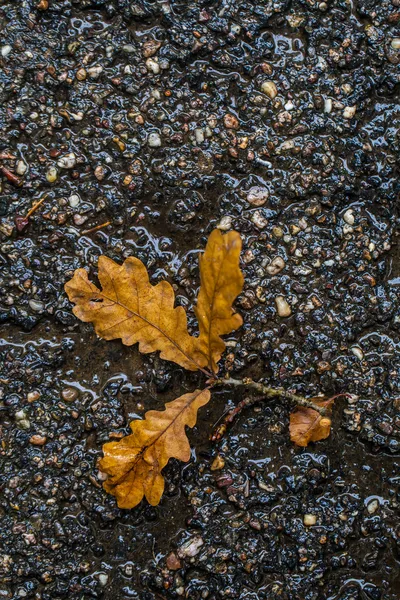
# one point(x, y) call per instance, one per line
point(221, 282)
point(130, 308)
point(134, 464)
point(307, 425)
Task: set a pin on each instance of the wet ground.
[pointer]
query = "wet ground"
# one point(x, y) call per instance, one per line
point(157, 121)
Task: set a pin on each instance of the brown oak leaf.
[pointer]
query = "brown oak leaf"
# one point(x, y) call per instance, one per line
point(134, 464)
point(221, 282)
point(130, 308)
point(308, 425)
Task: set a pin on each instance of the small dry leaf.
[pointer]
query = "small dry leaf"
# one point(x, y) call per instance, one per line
point(308, 425)
point(134, 464)
point(221, 282)
point(130, 308)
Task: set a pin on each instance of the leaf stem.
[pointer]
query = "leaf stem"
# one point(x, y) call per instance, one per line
point(271, 392)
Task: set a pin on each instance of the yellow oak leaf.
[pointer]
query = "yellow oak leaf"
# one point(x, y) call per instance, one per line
point(134, 463)
point(221, 282)
point(129, 307)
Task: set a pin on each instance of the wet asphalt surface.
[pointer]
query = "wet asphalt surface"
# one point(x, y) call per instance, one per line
point(158, 121)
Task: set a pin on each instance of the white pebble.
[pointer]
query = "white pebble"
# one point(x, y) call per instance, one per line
point(67, 162)
point(154, 140)
point(80, 219)
point(347, 229)
point(349, 216)
point(153, 66)
point(309, 520)
point(372, 506)
point(5, 50)
point(282, 307)
point(395, 43)
point(191, 547)
point(269, 88)
point(199, 135)
point(356, 350)
point(51, 174)
point(21, 167)
point(328, 105)
point(259, 220)
point(20, 415)
point(94, 72)
point(349, 112)
point(103, 578)
point(276, 265)
point(74, 200)
point(225, 223)
point(36, 305)
point(257, 195)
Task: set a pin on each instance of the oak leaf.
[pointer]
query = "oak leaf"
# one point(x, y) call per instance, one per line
point(134, 464)
point(221, 282)
point(129, 307)
point(308, 425)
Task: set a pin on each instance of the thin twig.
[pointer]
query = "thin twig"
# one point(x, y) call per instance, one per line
point(36, 206)
point(93, 229)
point(270, 392)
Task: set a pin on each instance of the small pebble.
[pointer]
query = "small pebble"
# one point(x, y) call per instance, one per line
point(257, 196)
point(276, 265)
point(259, 220)
point(356, 350)
point(347, 229)
point(20, 415)
point(173, 562)
point(33, 396)
point(309, 520)
point(191, 547)
point(225, 223)
point(5, 50)
point(74, 200)
point(218, 463)
point(327, 105)
point(150, 47)
point(349, 112)
point(372, 506)
point(395, 43)
point(38, 440)
point(94, 72)
point(154, 140)
point(51, 174)
point(153, 66)
point(69, 394)
point(80, 219)
point(100, 172)
point(230, 121)
point(103, 579)
point(282, 307)
point(348, 216)
point(68, 161)
point(36, 305)
point(269, 88)
point(81, 74)
point(21, 167)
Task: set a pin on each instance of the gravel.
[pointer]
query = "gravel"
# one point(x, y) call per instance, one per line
point(165, 119)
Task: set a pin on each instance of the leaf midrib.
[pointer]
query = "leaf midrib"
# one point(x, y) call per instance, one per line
point(135, 314)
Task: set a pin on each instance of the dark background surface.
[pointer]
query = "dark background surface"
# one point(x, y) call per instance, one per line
point(160, 110)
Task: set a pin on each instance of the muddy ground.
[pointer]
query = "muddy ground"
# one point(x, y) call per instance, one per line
point(158, 121)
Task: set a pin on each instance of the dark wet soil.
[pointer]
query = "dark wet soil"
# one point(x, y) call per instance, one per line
point(158, 121)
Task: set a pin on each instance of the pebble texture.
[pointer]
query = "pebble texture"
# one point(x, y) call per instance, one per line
point(156, 122)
